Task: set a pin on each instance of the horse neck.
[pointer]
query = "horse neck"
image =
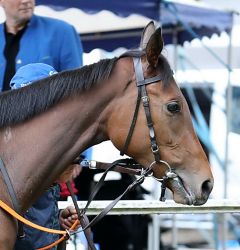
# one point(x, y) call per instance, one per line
point(37, 151)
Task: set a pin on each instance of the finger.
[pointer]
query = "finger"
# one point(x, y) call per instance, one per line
point(74, 217)
point(72, 210)
point(67, 223)
point(65, 213)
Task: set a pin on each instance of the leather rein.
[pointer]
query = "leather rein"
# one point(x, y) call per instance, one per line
point(122, 165)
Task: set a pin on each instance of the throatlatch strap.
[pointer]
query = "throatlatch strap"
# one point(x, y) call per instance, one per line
point(132, 126)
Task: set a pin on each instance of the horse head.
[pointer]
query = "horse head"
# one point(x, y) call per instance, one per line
point(169, 145)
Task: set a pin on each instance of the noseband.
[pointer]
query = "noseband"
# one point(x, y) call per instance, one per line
point(141, 83)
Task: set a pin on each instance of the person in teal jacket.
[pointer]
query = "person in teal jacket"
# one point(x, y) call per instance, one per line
point(27, 38)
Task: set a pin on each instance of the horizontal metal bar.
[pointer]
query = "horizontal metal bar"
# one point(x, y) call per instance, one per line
point(126, 207)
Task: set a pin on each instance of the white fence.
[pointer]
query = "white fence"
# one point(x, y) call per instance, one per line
point(157, 207)
point(154, 207)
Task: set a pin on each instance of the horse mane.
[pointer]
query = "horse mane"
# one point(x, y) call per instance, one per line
point(22, 104)
point(19, 105)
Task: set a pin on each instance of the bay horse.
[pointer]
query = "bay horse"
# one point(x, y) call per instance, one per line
point(46, 125)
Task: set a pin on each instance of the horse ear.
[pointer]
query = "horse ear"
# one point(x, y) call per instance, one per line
point(154, 47)
point(147, 33)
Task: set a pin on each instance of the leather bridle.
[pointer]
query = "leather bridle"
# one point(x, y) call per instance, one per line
point(141, 84)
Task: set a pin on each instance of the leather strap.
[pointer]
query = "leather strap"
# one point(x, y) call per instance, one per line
point(149, 80)
point(127, 165)
point(139, 180)
point(12, 195)
point(152, 136)
point(82, 218)
point(141, 83)
point(132, 126)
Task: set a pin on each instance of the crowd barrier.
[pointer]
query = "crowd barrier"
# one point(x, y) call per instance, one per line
point(126, 207)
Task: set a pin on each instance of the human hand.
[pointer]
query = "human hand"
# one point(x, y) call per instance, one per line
point(67, 217)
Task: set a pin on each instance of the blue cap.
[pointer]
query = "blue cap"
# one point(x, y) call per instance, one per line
point(30, 73)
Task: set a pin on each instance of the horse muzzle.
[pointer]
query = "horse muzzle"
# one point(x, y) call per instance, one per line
point(184, 195)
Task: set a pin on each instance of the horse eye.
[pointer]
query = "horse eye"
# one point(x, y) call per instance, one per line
point(173, 107)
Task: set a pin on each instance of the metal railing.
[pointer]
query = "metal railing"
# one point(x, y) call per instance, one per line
point(157, 207)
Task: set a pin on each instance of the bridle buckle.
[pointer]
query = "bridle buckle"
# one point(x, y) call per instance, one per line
point(145, 99)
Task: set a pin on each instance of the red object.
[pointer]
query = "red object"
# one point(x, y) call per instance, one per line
point(64, 192)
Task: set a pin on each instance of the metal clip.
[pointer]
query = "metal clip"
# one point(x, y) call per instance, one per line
point(145, 100)
point(92, 164)
point(89, 164)
point(85, 163)
point(67, 235)
point(171, 175)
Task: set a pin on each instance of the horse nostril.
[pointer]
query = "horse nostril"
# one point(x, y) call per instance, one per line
point(207, 187)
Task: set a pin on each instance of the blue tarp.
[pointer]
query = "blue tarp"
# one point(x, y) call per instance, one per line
point(148, 8)
point(171, 15)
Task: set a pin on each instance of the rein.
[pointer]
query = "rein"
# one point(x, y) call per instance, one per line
point(139, 180)
point(82, 218)
point(65, 233)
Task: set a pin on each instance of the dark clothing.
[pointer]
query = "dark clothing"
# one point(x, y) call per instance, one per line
point(10, 52)
point(23, 244)
point(44, 212)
